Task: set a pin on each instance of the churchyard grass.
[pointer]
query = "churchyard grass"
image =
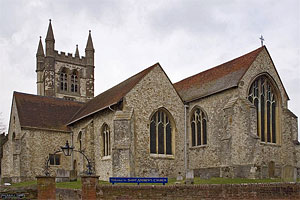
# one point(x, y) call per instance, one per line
point(172, 181)
point(24, 184)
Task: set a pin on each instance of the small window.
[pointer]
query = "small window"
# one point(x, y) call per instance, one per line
point(199, 128)
point(105, 140)
point(54, 159)
point(79, 140)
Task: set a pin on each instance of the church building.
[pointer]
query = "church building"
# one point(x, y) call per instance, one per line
point(228, 121)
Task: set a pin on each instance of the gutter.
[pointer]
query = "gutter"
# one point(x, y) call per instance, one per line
point(68, 124)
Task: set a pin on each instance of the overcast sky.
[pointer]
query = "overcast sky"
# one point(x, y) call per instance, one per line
point(185, 37)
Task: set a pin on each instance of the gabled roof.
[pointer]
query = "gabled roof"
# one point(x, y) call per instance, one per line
point(110, 97)
point(216, 79)
point(45, 112)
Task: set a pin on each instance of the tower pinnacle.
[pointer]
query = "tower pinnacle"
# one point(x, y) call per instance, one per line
point(50, 35)
point(40, 50)
point(89, 44)
point(77, 51)
point(50, 41)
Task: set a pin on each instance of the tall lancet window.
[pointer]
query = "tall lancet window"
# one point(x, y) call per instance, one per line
point(198, 128)
point(63, 81)
point(74, 82)
point(262, 95)
point(161, 135)
point(106, 140)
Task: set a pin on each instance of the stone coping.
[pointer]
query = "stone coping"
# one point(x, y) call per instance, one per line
point(89, 176)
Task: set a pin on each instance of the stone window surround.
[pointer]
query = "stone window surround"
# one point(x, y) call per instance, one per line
point(173, 132)
point(199, 147)
point(276, 91)
point(190, 129)
point(106, 157)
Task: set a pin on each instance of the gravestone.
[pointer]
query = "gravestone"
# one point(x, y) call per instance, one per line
point(179, 178)
point(289, 173)
point(189, 179)
point(73, 175)
point(271, 169)
point(154, 172)
point(253, 172)
point(62, 175)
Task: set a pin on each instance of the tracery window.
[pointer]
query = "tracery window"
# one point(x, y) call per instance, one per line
point(198, 128)
point(105, 140)
point(63, 81)
point(74, 82)
point(160, 133)
point(262, 95)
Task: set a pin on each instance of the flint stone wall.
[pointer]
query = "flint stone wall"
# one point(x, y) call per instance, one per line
point(232, 131)
point(92, 137)
point(155, 91)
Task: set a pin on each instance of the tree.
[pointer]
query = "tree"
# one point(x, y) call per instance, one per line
point(2, 126)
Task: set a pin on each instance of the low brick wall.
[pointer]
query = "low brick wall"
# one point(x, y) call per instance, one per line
point(29, 192)
point(228, 191)
point(68, 194)
point(234, 191)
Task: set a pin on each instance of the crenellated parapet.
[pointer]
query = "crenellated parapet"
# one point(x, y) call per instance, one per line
point(69, 58)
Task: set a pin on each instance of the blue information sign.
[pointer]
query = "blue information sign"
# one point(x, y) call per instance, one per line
point(137, 180)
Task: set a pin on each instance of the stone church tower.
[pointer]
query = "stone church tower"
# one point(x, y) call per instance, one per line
point(62, 75)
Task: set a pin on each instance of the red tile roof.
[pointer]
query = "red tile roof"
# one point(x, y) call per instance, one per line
point(216, 79)
point(45, 112)
point(110, 97)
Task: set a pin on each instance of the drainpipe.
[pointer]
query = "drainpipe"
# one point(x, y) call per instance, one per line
point(72, 145)
point(185, 138)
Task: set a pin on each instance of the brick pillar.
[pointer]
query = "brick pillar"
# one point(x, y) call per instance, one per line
point(89, 186)
point(46, 187)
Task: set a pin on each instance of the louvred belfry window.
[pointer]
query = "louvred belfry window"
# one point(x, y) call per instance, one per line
point(262, 95)
point(160, 133)
point(199, 128)
point(63, 82)
point(74, 83)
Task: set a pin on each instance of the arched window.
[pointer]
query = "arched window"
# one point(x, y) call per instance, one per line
point(262, 95)
point(161, 133)
point(63, 81)
point(74, 82)
point(105, 140)
point(198, 128)
point(79, 140)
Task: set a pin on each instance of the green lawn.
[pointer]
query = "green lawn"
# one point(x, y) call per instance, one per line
point(172, 181)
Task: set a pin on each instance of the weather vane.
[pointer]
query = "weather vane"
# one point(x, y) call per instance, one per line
point(262, 40)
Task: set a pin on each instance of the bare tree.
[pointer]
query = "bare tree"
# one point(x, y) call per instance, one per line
point(2, 126)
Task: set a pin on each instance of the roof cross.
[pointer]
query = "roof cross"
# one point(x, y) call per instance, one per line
point(262, 40)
